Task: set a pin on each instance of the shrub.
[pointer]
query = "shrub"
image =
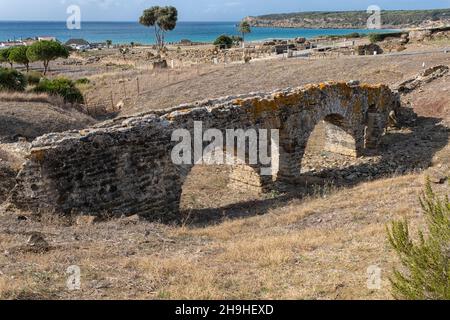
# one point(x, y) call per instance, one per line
point(224, 41)
point(33, 77)
point(427, 262)
point(375, 37)
point(12, 80)
point(353, 35)
point(62, 87)
point(378, 37)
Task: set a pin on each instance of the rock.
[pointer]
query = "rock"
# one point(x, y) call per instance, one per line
point(369, 49)
point(354, 83)
point(351, 177)
point(419, 35)
point(120, 105)
point(437, 176)
point(426, 76)
point(131, 219)
point(160, 64)
point(36, 243)
point(85, 220)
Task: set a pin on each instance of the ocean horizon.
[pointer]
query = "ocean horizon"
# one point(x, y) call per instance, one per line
point(124, 32)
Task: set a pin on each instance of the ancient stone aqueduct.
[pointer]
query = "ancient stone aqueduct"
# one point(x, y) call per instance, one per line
point(124, 166)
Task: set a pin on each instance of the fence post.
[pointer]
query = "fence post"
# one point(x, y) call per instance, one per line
point(138, 88)
point(112, 101)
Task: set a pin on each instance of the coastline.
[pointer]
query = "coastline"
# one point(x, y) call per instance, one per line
point(127, 32)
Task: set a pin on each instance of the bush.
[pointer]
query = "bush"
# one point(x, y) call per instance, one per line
point(224, 41)
point(33, 77)
point(62, 87)
point(354, 35)
point(426, 263)
point(12, 80)
point(375, 37)
point(378, 37)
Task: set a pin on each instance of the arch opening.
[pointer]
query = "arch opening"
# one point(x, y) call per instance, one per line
point(331, 146)
point(213, 186)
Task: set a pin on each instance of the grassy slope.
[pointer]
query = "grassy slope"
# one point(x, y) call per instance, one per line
point(311, 249)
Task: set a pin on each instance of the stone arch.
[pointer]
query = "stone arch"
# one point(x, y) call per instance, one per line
point(340, 136)
point(343, 135)
point(123, 167)
point(242, 175)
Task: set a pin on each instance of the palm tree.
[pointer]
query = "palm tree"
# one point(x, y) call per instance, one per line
point(244, 28)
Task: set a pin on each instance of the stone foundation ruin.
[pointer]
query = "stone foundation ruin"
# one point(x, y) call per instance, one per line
point(124, 167)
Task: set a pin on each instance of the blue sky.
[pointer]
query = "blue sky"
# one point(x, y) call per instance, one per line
point(192, 10)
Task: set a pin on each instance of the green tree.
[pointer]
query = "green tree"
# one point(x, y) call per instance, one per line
point(244, 28)
point(109, 43)
point(4, 56)
point(19, 55)
point(224, 41)
point(46, 51)
point(426, 263)
point(163, 19)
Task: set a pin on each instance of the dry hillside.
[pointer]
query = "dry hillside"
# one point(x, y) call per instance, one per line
point(313, 243)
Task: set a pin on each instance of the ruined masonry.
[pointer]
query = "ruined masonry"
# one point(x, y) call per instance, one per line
point(124, 167)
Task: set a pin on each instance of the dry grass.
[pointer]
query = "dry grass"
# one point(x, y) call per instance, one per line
point(308, 249)
point(93, 110)
point(317, 247)
point(30, 97)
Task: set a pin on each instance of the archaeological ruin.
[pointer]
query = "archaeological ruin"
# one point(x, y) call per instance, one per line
point(124, 167)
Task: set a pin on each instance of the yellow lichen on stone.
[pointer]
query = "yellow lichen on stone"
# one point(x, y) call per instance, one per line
point(288, 100)
point(260, 106)
point(357, 106)
point(38, 155)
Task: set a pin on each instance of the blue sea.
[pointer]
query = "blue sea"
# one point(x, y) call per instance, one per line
point(126, 32)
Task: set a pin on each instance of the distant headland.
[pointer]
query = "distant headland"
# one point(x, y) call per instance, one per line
point(398, 19)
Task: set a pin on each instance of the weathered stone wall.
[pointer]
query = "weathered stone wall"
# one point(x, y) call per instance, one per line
point(124, 166)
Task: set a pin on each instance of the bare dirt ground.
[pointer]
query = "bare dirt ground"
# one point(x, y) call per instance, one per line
point(33, 119)
point(313, 243)
point(172, 87)
point(25, 120)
